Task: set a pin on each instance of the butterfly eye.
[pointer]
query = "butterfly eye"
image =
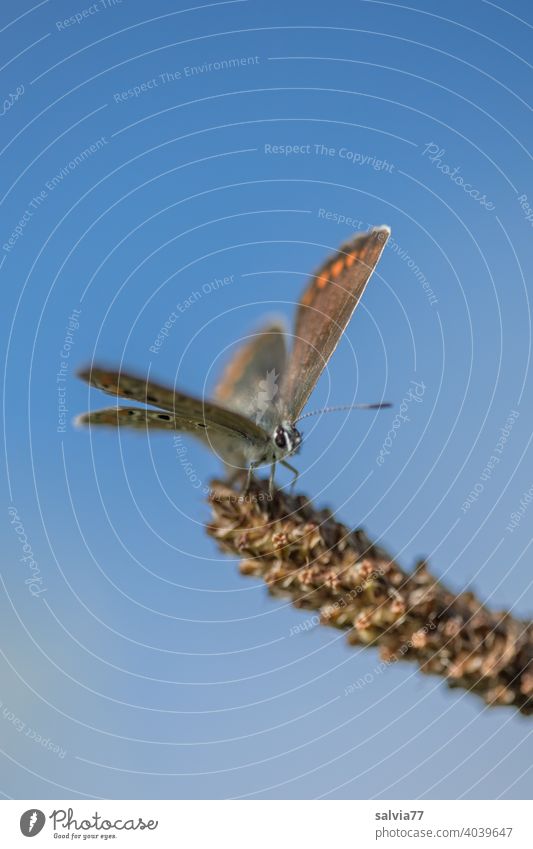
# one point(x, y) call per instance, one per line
point(280, 438)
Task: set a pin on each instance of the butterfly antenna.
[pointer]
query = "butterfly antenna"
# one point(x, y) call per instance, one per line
point(344, 408)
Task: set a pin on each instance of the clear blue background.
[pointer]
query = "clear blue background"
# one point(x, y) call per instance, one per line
point(155, 666)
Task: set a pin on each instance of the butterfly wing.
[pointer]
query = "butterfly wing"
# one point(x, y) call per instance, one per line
point(140, 419)
point(250, 383)
point(324, 311)
point(123, 385)
point(186, 412)
point(228, 446)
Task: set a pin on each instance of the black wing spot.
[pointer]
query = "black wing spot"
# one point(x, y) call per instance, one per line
point(131, 412)
point(164, 417)
point(201, 424)
point(152, 399)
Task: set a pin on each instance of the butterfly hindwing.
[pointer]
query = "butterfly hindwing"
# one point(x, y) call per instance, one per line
point(188, 412)
point(250, 382)
point(227, 445)
point(141, 419)
point(324, 311)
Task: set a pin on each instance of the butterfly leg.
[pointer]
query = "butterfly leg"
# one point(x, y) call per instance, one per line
point(249, 476)
point(271, 481)
point(295, 472)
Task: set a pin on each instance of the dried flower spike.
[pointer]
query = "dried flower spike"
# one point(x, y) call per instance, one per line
point(304, 554)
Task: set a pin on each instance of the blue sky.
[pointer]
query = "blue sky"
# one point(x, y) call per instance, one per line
point(149, 152)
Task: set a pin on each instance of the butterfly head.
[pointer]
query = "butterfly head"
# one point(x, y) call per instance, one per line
point(286, 440)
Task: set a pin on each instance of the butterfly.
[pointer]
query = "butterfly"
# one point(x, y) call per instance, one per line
point(252, 420)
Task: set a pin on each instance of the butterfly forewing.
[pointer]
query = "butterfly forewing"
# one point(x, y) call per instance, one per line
point(323, 313)
point(124, 385)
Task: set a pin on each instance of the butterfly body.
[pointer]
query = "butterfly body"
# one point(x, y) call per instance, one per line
point(252, 420)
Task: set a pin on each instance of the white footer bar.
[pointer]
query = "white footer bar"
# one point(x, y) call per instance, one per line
point(267, 824)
